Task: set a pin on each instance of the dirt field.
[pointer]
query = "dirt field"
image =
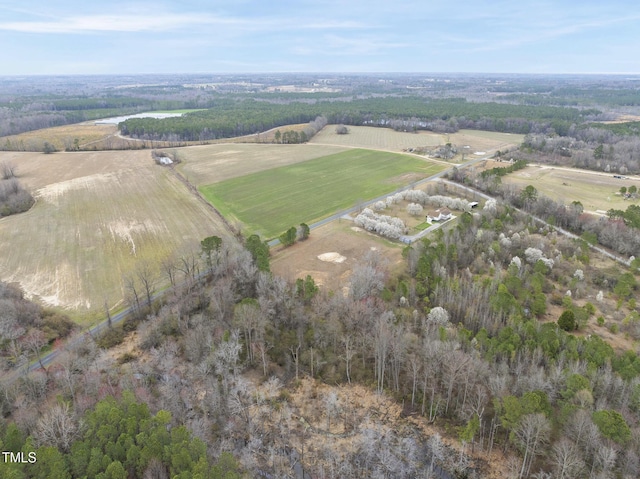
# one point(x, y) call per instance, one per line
point(341, 237)
point(596, 191)
point(98, 216)
point(208, 164)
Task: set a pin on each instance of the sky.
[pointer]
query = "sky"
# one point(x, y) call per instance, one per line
point(64, 37)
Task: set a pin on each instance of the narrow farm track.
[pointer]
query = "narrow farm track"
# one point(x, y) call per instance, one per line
point(415, 155)
point(209, 206)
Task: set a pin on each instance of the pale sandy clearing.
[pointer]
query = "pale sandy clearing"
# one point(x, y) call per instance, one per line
point(332, 258)
point(301, 259)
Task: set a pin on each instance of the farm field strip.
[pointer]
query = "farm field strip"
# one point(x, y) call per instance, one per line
point(594, 191)
point(378, 138)
point(271, 201)
point(203, 165)
point(391, 140)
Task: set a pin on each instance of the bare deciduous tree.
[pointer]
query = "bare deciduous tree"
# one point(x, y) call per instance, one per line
point(7, 170)
point(567, 460)
point(57, 428)
point(34, 341)
point(147, 277)
point(531, 433)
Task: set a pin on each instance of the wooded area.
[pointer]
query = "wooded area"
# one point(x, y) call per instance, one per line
point(458, 339)
point(500, 345)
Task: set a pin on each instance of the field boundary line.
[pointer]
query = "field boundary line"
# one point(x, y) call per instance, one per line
point(191, 187)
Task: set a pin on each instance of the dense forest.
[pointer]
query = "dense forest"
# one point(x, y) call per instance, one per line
point(229, 118)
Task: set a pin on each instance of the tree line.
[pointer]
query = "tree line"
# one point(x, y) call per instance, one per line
point(232, 117)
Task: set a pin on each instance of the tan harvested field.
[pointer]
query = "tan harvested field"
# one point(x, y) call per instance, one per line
point(106, 137)
point(596, 191)
point(391, 140)
point(622, 119)
point(98, 218)
point(37, 170)
point(332, 272)
point(208, 164)
point(61, 137)
point(479, 140)
point(377, 138)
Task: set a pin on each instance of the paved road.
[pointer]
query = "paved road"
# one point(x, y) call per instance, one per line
point(12, 376)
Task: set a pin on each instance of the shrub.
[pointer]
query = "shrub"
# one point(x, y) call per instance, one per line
point(110, 338)
point(567, 321)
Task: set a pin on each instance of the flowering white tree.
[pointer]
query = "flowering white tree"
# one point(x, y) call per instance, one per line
point(579, 275)
point(504, 241)
point(414, 209)
point(438, 315)
point(416, 196)
point(491, 205)
point(383, 225)
point(532, 255)
point(379, 205)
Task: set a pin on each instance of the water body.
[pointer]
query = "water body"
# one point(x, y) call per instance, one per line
point(117, 119)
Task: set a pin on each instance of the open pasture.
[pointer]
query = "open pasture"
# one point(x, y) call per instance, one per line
point(349, 243)
point(480, 140)
point(203, 165)
point(97, 219)
point(595, 190)
point(391, 140)
point(271, 201)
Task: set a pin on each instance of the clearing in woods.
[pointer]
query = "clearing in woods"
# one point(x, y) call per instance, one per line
point(331, 252)
point(595, 190)
point(271, 201)
point(97, 218)
point(388, 139)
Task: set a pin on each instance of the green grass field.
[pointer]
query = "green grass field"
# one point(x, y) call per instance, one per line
point(271, 201)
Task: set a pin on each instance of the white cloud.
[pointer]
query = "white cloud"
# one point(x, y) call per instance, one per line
point(119, 23)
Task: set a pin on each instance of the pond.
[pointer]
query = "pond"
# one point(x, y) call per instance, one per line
point(117, 119)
